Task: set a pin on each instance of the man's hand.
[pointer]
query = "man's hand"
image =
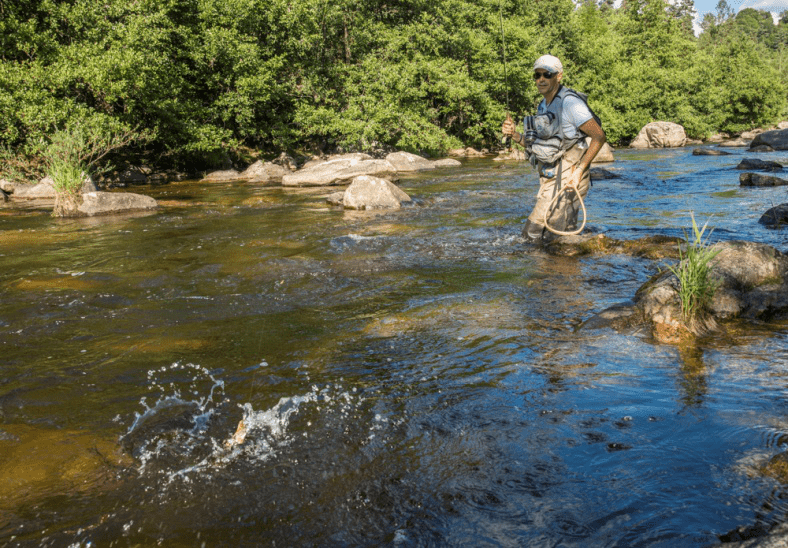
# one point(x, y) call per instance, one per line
point(508, 126)
point(574, 178)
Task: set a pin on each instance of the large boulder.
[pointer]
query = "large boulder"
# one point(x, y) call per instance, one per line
point(339, 170)
point(777, 139)
point(105, 203)
point(366, 192)
point(753, 280)
point(660, 135)
point(405, 161)
point(756, 179)
point(264, 172)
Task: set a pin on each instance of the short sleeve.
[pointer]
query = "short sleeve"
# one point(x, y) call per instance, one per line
point(575, 114)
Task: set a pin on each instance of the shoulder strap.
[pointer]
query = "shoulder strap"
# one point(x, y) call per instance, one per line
point(564, 91)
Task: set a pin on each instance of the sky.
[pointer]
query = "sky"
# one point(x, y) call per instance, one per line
point(773, 6)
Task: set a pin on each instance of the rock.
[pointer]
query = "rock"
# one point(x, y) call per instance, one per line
point(339, 170)
point(3, 195)
point(735, 143)
point(471, 152)
point(750, 135)
point(286, 161)
point(335, 198)
point(718, 138)
point(264, 172)
point(693, 142)
point(759, 165)
point(7, 186)
point(515, 153)
point(761, 148)
point(776, 139)
point(709, 152)
point(223, 176)
point(405, 161)
point(660, 135)
point(45, 189)
point(456, 152)
point(783, 125)
point(126, 176)
point(776, 217)
point(38, 463)
point(447, 162)
point(599, 174)
point(367, 192)
point(756, 179)
point(605, 154)
point(753, 283)
point(104, 203)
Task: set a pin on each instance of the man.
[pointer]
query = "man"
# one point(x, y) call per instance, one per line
point(560, 152)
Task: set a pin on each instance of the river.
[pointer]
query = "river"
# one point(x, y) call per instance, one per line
point(419, 377)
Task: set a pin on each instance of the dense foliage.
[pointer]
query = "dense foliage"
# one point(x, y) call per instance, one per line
point(204, 79)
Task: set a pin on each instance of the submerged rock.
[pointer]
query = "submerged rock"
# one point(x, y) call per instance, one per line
point(38, 463)
point(599, 174)
point(709, 152)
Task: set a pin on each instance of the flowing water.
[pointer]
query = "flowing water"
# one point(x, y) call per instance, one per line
point(419, 377)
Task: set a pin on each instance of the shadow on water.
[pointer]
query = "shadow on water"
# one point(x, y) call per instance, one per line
point(249, 366)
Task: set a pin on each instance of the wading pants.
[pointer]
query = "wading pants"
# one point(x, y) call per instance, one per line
point(564, 212)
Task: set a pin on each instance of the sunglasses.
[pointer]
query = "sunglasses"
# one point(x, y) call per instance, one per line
point(546, 75)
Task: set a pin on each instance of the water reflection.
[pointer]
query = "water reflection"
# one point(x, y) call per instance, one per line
point(415, 377)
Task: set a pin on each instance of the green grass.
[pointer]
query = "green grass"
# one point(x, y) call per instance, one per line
point(696, 285)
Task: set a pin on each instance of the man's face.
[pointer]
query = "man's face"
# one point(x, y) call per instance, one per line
point(545, 85)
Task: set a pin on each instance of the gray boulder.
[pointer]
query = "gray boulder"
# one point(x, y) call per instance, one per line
point(759, 165)
point(367, 192)
point(222, 176)
point(756, 179)
point(777, 139)
point(447, 162)
point(405, 161)
point(339, 170)
point(660, 135)
point(45, 190)
point(753, 284)
point(7, 186)
point(264, 172)
point(735, 143)
point(105, 203)
point(776, 217)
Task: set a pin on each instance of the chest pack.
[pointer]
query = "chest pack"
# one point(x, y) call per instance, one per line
point(544, 136)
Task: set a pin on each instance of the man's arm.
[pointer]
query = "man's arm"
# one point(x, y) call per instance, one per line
point(598, 138)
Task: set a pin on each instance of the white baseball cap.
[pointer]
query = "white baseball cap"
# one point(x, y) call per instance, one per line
point(549, 63)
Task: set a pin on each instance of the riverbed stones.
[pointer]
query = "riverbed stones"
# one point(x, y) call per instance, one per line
point(757, 179)
point(776, 217)
point(105, 203)
point(340, 170)
point(777, 139)
point(660, 135)
point(367, 192)
point(759, 165)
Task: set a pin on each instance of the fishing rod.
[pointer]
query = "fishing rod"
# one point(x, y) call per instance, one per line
point(507, 140)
